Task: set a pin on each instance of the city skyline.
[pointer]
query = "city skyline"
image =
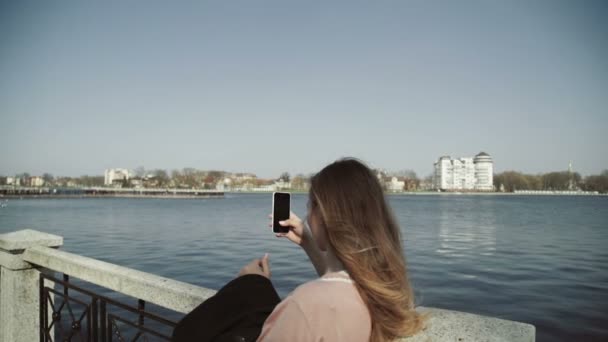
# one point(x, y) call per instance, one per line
point(133, 170)
point(292, 87)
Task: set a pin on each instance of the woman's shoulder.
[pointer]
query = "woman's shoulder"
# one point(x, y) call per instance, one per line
point(330, 289)
point(330, 307)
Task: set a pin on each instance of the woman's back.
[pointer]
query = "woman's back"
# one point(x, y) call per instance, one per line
point(327, 309)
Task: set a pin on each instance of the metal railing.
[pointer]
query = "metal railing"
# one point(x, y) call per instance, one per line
point(73, 313)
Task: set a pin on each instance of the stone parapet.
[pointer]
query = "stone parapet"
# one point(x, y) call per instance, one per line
point(19, 285)
point(25, 253)
point(165, 292)
point(448, 325)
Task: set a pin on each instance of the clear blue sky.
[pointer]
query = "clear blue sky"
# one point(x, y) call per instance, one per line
point(272, 86)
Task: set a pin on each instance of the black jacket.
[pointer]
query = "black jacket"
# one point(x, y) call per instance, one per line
point(235, 313)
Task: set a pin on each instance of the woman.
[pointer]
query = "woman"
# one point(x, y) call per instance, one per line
point(363, 293)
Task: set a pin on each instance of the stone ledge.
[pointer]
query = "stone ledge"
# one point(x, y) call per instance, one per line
point(172, 294)
point(26, 238)
point(442, 325)
point(447, 325)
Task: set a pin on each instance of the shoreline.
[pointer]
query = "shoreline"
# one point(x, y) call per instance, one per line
point(192, 194)
point(431, 193)
point(83, 196)
point(96, 192)
point(435, 193)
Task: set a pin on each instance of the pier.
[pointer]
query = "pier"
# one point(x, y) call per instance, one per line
point(40, 192)
point(48, 295)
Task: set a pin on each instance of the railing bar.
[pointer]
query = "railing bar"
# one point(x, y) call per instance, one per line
point(66, 279)
point(70, 335)
point(93, 330)
point(89, 321)
point(103, 321)
point(57, 293)
point(111, 301)
point(81, 334)
point(109, 327)
point(143, 328)
point(41, 322)
point(141, 305)
point(47, 333)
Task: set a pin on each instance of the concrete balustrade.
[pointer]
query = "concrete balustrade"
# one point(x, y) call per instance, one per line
point(20, 284)
point(165, 292)
point(25, 253)
point(448, 325)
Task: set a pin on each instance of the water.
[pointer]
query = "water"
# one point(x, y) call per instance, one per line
point(542, 260)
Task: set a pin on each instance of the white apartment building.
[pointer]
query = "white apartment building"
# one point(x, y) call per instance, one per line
point(115, 174)
point(484, 172)
point(464, 173)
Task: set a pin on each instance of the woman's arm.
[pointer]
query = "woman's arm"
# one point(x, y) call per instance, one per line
point(316, 256)
point(302, 236)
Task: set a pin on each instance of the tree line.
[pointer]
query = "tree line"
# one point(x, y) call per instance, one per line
point(158, 178)
point(507, 181)
point(510, 181)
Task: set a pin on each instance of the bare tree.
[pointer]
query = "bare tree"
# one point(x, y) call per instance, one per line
point(285, 177)
point(161, 176)
point(189, 177)
point(410, 174)
point(140, 172)
point(48, 178)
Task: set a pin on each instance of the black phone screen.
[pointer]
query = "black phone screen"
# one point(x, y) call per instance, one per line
point(280, 211)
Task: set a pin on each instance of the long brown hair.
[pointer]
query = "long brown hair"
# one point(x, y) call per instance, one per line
point(361, 230)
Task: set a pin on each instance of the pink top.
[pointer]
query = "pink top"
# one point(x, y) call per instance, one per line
point(327, 309)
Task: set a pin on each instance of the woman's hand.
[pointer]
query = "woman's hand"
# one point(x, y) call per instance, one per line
point(257, 266)
point(297, 232)
point(302, 236)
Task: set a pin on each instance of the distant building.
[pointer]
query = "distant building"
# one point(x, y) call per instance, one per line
point(136, 182)
point(113, 175)
point(244, 176)
point(395, 185)
point(13, 181)
point(444, 176)
point(266, 187)
point(484, 172)
point(281, 184)
point(36, 181)
point(464, 173)
point(263, 185)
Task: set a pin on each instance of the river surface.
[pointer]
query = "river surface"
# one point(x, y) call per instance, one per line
point(536, 259)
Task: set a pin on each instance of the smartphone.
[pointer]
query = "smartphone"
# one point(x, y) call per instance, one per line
point(280, 210)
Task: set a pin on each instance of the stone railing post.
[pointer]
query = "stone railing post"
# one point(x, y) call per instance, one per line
point(20, 285)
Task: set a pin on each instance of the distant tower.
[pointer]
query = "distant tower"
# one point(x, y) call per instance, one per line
point(484, 171)
point(570, 177)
